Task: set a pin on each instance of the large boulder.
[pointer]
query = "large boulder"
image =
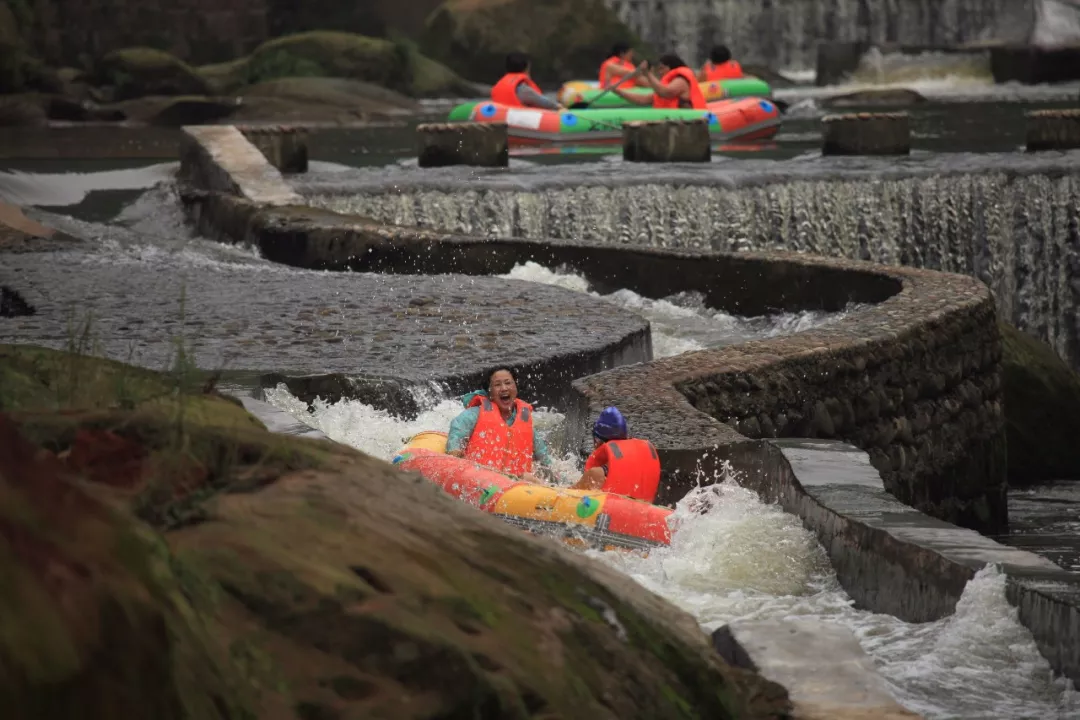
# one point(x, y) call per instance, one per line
point(140, 72)
point(566, 38)
point(244, 574)
point(393, 65)
point(1042, 410)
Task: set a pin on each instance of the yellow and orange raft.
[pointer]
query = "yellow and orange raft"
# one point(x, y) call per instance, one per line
point(579, 517)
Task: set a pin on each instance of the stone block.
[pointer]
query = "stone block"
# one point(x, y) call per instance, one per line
point(866, 134)
point(667, 141)
point(285, 147)
point(464, 143)
point(825, 670)
point(1053, 130)
point(218, 158)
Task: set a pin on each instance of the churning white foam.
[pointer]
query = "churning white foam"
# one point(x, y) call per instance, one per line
point(680, 323)
point(733, 557)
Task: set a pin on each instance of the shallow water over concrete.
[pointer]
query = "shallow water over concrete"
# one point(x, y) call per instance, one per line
point(1046, 520)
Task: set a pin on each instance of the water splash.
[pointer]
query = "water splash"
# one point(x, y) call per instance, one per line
point(735, 558)
point(681, 323)
point(380, 434)
point(786, 33)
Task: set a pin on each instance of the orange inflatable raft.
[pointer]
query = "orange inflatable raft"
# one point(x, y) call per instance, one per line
point(727, 120)
point(579, 517)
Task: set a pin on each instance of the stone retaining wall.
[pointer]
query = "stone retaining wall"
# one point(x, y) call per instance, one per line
point(892, 559)
point(1011, 221)
point(915, 378)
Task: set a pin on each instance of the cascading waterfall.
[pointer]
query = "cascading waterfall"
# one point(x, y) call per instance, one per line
point(1018, 234)
point(786, 33)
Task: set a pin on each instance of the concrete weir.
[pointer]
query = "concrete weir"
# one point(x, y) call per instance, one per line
point(912, 377)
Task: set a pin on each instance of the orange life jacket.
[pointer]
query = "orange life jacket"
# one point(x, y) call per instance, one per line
point(607, 79)
point(504, 92)
point(729, 70)
point(505, 448)
point(633, 468)
point(697, 99)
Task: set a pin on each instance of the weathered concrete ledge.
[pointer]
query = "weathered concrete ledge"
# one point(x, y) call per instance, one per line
point(926, 354)
point(463, 143)
point(893, 559)
point(866, 134)
point(218, 157)
point(284, 146)
point(790, 652)
point(666, 141)
point(1053, 130)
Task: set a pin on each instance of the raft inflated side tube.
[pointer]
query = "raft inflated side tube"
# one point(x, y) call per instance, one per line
point(713, 90)
point(582, 517)
point(746, 119)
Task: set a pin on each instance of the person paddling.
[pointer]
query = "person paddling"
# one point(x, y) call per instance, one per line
point(496, 430)
point(517, 89)
point(720, 66)
point(618, 66)
point(677, 86)
point(620, 464)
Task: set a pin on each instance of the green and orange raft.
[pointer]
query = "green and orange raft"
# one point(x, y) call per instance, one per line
point(745, 119)
point(583, 518)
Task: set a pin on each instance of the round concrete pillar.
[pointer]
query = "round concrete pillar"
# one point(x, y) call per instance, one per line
point(463, 143)
point(667, 141)
point(284, 146)
point(866, 134)
point(1053, 130)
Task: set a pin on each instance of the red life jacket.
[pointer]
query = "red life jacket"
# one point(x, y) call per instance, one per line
point(697, 98)
point(505, 448)
point(729, 70)
point(504, 92)
point(607, 79)
point(633, 468)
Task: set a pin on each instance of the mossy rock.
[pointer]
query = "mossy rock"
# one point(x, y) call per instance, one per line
point(394, 65)
point(332, 54)
point(335, 586)
point(566, 39)
point(139, 72)
point(99, 617)
point(1042, 410)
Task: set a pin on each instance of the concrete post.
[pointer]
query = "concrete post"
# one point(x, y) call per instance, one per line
point(463, 143)
point(866, 134)
point(667, 141)
point(284, 146)
point(1053, 130)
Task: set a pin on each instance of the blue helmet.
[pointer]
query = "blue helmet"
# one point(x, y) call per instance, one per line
point(611, 425)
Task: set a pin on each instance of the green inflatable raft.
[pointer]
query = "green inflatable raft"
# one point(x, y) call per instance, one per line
point(717, 90)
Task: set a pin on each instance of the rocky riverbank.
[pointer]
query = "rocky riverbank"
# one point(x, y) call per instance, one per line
point(232, 573)
point(304, 67)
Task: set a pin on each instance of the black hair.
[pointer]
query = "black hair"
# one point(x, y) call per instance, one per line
point(491, 374)
point(516, 62)
point(720, 54)
point(671, 60)
point(620, 48)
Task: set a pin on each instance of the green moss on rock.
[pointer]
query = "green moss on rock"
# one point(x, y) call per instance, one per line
point(394, 65)
point(142, 71)
point(1042, 410)
point(566, 38)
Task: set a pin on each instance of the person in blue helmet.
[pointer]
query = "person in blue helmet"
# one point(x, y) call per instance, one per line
point(620, 464)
